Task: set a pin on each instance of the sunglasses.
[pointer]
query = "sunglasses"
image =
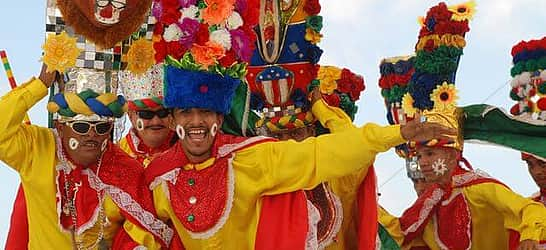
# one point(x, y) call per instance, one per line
point(148, 115)
point(83, 127)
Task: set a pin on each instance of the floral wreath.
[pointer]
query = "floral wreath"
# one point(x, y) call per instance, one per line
point(215, 36)
point(440, 45)
point(313, 22)
point(339, 88)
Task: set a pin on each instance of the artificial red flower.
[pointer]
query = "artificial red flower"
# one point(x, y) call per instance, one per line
point(384, 82)
point(518, 48)
point(170, 16)
point(251, 14)
point(175, 49)
point(454, 28)
point(533, 45)
point(332, 99)
point(159, 29)
point(351, 84)
point(202, 36)
point(312, 7)
point(160, 49)
point(170, 4)
point(229, 59)
point(440, 13)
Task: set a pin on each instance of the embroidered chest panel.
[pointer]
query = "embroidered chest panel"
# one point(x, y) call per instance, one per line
point(201, 199)
point(454, 224)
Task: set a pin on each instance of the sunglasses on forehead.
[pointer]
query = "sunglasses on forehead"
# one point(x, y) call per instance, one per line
point(148, 115)
point(83, 127)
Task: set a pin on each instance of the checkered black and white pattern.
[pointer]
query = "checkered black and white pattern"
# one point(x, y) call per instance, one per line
point(91, 57)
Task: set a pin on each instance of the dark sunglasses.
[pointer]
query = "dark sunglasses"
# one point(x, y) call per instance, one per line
point(83, 127)
point(148, 115)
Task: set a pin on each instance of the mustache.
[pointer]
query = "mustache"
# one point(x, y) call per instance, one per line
point(155, 127)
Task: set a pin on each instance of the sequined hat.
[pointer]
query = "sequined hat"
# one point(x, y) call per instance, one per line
point(90, 74)
point(284, 68)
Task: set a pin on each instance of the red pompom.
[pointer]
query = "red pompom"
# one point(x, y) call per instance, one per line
point(515, 110)
point(332, 100)
point(312, 7)
point(541, 104)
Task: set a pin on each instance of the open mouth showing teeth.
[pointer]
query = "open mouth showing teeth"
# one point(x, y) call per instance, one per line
point(197, 134)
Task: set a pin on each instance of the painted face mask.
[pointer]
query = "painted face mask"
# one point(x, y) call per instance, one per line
point(105, 22)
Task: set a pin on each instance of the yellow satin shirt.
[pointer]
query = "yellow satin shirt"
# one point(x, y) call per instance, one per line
point(279, 167)
point(494, 209)
point(31, 151)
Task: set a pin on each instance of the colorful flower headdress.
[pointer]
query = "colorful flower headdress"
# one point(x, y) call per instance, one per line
point(396, 73)
point(431, 91)
point(205, 45)
point(529, 81)
point(284, 68)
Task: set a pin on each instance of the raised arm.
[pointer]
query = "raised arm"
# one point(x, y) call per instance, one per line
point(17, 139)
point(289, 165)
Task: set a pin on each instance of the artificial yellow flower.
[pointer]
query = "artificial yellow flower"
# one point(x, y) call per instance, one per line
point(464, 11)
point(312, 36)
point(444, 97)
point(407, 105)
point(140, 56)
point(328, 76)
point(60, 52)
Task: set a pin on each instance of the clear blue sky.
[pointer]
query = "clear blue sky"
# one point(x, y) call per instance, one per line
point(358, 33)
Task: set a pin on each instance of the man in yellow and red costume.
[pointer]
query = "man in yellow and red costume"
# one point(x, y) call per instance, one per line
point(83, 191)
point(528, 90)
point(462, 208)
point(210, 185)
point(396, 73)
point(282, 72)
point(101, 26)
point(150, 133)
